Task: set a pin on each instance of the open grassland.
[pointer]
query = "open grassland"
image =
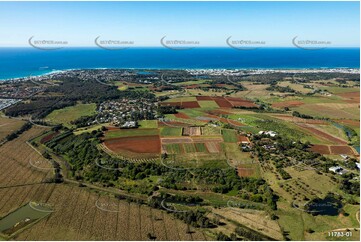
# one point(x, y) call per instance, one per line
point(66, 115)
point(252, 219)
point(9, 125)
point(332, 111)
point(306, 183)
point(299, 87)
point(297, 223)
point(88, 129)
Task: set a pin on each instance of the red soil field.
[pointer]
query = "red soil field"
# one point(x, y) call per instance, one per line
point(194, 86)
point(323, 134)
point(243, 138)
point(245, 171)
point(139, 144)
point(239, 102)
point(48, 137)
point(349, 122)
point(213, 116)
point(321, 149)
point(204, 98)
point(332, 149)
point(112, 128)
point(192, 104)
point(341, 149)
point(218, 112)
point(222, 102)
point(287, 104)
point(181, 115)
point(354, 97)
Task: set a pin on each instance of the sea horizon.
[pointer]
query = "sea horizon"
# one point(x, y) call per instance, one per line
point(20, 62)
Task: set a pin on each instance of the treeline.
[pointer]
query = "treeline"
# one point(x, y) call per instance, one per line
point(38, 108)
point(168, 109)
point(18, 132)
point(280, 89)
point(250, 234)
point(299, 115)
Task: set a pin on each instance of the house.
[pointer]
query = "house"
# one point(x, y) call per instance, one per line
point(130, 124)
point(345, 157)
point(338, 170)
point(270, 133)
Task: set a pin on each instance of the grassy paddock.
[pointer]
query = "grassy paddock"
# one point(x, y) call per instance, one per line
point(66, 115)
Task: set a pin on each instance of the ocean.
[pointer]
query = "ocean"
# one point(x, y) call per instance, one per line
point(22, 62)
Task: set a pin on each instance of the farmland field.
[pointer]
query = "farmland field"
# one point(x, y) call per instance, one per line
point(120, 133)
point(228, 155)
point(135, 144)
point(148, 124)
point(8, 125)
point(229, 136)
point(68, 114)
point(171, 131)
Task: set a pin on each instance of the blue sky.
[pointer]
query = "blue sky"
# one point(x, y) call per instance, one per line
point(210, 23)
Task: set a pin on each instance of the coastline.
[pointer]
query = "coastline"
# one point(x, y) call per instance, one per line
point(281, 70)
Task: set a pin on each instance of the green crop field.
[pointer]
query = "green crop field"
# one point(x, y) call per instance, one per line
point(66, 115)
point(130, 132)
point(174, 148)
point(208, 104)
point(201, 147)
point(194, 112)
point(229, 135)
point(148, 124)
point(189, 148)
point(171, 131)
